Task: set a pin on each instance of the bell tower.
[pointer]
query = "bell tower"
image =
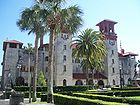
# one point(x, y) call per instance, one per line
point(111, 70)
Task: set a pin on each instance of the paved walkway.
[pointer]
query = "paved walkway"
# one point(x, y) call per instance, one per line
point(6, 102)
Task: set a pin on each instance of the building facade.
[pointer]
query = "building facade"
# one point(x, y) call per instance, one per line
point(67, 70)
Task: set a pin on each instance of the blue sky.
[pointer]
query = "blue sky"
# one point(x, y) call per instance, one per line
point(125, 12)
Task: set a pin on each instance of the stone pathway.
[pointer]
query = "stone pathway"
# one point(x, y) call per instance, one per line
point(6, 102)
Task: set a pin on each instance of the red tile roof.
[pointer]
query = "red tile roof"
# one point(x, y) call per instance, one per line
point(106, 20)
point(73, 45)
point(127, 54)
point(13, 41)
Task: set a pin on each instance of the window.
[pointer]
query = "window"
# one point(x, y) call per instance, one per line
point(105, 29)
point(112, 61)
point(31, 68)
point(112, 52)
point(13, 45)
point(64, 57)
point(46, 69)
point(61, 35)
point(64, 68)
point(46, 58)
point(64, 82)
point(64, 47)
point(65, 37)
point(113, 82)
point(113, 70)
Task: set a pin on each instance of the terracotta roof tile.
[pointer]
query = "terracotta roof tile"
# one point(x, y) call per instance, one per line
point(13, 41)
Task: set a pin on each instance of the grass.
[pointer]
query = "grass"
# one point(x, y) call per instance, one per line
point(135, 97)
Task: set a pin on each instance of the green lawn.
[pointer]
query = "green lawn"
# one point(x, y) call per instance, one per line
point(135, 97)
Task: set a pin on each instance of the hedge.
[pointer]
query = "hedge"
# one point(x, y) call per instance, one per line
point(71, 100)
point(126, 88)
point(43, 97)
point(26, 88)
point(55, 89)
point(122, 93)
point(26, 94)
point(108, 98)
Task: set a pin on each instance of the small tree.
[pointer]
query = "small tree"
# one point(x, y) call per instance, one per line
point(41, 81)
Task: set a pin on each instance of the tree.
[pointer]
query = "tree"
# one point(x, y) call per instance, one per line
point(31, 21)
point(58, 20)
point(91, 48)
point(29, 50)
point(41, 81)
point(136, 74)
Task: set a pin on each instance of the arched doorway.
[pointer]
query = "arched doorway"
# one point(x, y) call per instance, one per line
point(78, 82)
point(129, 81)
point(90, 82)
point(20, 81)
point(64, 82)
point(101, 84)
point(113, 82)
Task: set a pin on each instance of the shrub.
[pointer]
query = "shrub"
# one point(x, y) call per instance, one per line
point(70, 100)
point(55, 89)
point(70, 88)
point(43, 97)
point(122, 93)
point(41, 81)
point(108, 98)
point(125, 88)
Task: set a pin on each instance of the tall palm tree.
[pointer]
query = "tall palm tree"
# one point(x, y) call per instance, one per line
point(29, 50)
point(31, 21)
point(58, 20)
point(91, 48)
point(137, 73)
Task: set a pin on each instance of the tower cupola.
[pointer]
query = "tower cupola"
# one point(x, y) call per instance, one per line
point(107, 27)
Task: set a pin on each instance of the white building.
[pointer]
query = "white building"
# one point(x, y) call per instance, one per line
point(67, 70)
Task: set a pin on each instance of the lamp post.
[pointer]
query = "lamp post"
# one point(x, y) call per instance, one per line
point(120, 67)
point(19, 69)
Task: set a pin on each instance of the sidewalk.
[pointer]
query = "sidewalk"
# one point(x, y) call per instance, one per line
point(6, 102)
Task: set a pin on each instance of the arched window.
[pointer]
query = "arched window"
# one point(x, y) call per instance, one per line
point(64, 82)
point(129, 81)
point(113, 82)
point(90, 82)
point(78, 82)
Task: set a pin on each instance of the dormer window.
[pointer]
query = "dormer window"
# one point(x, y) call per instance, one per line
point(64, 36)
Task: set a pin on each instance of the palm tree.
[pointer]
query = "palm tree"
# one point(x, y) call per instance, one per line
point(90, 47)
point(31, 21)
point(29, 50)
point(137, 74)
point(58, 20)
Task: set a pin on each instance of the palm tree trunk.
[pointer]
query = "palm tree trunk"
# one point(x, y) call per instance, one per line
point(35, 69)
point(29, 69)
point(87, 76)
point(50, 68)
point(41, 41)
point(29, 78)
